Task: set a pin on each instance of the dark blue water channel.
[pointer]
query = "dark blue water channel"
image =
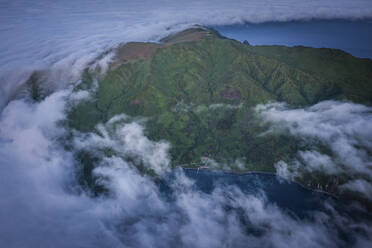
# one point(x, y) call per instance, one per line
point(293, 199)
point(354, 37)
point(289, 196)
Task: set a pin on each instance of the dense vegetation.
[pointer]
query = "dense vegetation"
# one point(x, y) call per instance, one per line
point(198, 95)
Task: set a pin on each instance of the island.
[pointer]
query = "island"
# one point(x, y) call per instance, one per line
point(198, 91)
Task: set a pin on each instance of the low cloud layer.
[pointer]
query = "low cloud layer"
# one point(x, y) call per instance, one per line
point(42, 205)
point(127, 140)
point(344, 127)
point(61, 35)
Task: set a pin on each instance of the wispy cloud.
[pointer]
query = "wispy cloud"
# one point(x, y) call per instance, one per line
point(68, 35)
point(42, 204)
point(344, 127)
point(127, 139)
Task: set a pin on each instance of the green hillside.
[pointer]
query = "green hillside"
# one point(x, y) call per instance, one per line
point(351, 75)
point(197, 90)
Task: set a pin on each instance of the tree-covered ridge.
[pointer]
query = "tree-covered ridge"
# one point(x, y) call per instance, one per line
point(199, 94)
point(352, 76)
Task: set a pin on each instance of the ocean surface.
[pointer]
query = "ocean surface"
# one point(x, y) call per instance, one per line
point(354, 37)
point(288, 195)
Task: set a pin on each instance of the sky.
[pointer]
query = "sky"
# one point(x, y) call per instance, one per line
point(43, 205)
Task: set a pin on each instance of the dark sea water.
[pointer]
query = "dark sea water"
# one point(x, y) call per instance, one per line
point(354, 37)
point(287, 195)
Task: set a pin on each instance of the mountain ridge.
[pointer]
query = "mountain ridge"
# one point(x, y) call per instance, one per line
point(199, 95)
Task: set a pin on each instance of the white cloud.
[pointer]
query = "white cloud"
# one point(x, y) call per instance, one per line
point(66, 36)
point(41, 203)
point(43, 206)
point(342, 126)
point(127, 139)
point(359, 185)
point(285, 171)
point(35, 174)
point(316, 161)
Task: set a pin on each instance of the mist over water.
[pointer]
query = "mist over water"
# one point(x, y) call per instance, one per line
point(42, 203)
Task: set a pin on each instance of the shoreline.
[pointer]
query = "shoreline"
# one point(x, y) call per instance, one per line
point(242, 173)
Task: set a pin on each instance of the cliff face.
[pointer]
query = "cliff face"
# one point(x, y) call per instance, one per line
point(198, 89)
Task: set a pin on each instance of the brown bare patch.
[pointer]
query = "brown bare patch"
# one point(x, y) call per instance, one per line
point(189, 35)
point(145, 50)
point(231, 93)
point(136, 102)
point(133, 51)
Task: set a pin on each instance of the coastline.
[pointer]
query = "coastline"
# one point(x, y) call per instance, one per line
point(242, 173)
